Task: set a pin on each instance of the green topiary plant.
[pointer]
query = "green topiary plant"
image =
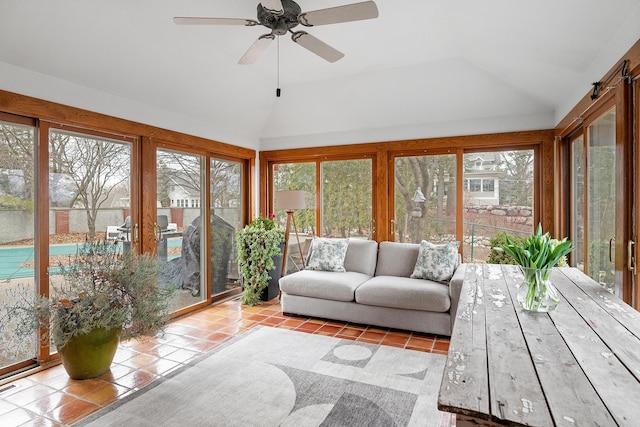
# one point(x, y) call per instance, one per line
point(257, 244)
point(497, 254)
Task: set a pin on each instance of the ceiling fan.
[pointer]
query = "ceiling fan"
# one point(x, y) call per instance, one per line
point(281, 16)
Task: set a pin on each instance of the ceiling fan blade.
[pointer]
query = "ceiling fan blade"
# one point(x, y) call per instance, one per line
point(256, 49)
point(316, 46)
point(180, 20)
point(273, 6)
point(334, 15)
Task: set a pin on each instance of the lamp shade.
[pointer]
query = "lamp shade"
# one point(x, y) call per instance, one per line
point(290, 200)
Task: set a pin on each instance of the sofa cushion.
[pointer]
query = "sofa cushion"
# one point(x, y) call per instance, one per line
point(403, 292)
point(361, 256)
point(397, 259)
point(436, 262)
point(329, 285)
point(327, 254)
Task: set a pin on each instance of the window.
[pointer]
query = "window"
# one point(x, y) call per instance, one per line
point(423, 208)
point(500, 201)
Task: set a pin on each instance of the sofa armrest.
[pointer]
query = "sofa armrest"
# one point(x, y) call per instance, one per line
point(455, 287)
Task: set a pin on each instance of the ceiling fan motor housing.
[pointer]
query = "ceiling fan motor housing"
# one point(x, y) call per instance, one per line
point(280, 24)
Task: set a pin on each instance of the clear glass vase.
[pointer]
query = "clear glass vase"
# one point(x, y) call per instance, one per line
point(536, 292)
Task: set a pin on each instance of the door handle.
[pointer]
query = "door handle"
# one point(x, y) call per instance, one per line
point(393, 228)
point(611, 240)
point(135, 233)
point(631, 258)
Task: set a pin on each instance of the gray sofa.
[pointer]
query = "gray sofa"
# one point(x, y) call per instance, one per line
point(375, 290)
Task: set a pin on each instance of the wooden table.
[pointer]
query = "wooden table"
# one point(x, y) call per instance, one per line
point(576, 366)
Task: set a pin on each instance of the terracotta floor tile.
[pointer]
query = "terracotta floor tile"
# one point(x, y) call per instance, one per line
point(80, 388)
point(106, 395)
point(218, 337)
point(123, 354)
point(257, 317)
point(202, 346)
point(116, 371)
point(421, 342)
point(17, 417)
point(6, 407)
point(293, 322)
point(164, 350)
point(308, 327)
point(73, 411)
point(393, 344)
point(42, 422)
point(441, 346)
point(137, 379)
point(368, 340)
point(178, 329)
point(48, 403)
point(395, 340)
point(162, 366)
point(29, 394)
point(330, 328)
point(47, 374)
point(140, 360)
point(231, 329)
point(271, 321)
point(144, 346)
point(350, 333)
point(182, 355)
point(371, 335)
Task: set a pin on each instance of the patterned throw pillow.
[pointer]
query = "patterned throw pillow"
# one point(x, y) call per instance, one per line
point(436, 262)
point(327, 254)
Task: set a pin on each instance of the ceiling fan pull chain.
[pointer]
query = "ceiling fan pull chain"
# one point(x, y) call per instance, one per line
point(278, 70)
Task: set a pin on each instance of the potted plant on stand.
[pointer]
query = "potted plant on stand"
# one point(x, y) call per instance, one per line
point(258, 244)
point(104, 295)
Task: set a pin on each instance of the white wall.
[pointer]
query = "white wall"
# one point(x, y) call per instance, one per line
point(27, 82)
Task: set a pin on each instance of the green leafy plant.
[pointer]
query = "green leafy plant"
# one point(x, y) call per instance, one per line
point(257, 244)
point(537, 255)
point(101, 287)
point(497, 254)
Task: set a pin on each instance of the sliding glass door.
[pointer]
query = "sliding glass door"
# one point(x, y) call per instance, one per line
point(595, 168)
point(17, 232)
point(179, 232)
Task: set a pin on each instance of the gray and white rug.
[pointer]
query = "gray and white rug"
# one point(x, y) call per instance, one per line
point(278, 377)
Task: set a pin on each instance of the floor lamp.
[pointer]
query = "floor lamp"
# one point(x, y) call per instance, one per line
point(290, 201)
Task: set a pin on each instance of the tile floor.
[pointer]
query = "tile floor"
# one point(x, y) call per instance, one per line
point(50, 398)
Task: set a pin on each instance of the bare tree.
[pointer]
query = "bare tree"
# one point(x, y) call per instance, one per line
point(17, 157)
point(94, 166)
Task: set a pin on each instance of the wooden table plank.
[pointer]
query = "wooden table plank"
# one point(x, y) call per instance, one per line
point(621, 342)
point(578, 365)
point(582, 327)
point(570, 396)
point(623, 313)
point(465, 382)
point(515, 392)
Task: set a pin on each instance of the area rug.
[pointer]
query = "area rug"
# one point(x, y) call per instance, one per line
point(278, 377)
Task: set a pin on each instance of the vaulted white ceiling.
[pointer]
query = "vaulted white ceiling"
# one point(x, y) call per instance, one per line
point(424, 68)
